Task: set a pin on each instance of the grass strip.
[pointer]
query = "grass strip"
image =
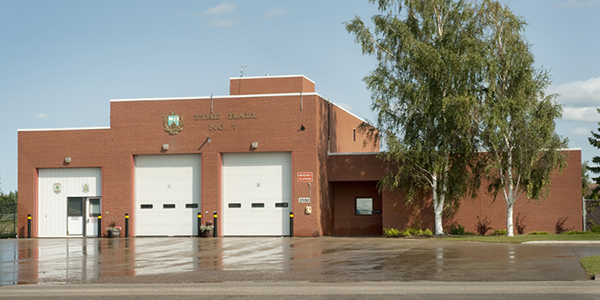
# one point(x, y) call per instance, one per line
point(591, 265)
point(517, 239)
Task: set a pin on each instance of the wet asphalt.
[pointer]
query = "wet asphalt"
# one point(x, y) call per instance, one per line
point(324, 259)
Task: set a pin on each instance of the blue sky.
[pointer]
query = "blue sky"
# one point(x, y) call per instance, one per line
point(62, 61)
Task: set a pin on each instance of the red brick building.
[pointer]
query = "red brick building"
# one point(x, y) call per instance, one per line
point(271, 147)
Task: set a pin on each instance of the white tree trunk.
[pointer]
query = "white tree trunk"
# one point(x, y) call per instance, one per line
point(438, 207)
point(509, 217)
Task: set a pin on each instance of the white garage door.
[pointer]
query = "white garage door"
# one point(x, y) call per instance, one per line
point(257, 192)
point(167, 194)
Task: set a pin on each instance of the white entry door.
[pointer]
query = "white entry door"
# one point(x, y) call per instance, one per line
point(93, 210)
point(75, 213)
point(257, 192)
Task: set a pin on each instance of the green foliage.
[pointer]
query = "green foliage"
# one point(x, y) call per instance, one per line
point(457, 229)
point(414, 232)
point(391, 232)
point(518, 117)
point(499, 232)
point(539, 233)
point(425, 92)
point(8, 214)
point(595, 228)
point(594, 140)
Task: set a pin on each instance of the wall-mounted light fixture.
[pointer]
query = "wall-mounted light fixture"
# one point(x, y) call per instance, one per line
point(165, 147)
point(254, 145)
point(302, 128)
point(208, 139)
point(67, 160)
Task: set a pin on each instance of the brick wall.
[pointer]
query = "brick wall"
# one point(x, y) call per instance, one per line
point(274, 122)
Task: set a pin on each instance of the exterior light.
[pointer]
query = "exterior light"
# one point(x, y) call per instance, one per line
point(67, 160)
point(254, 145)
point(165, 147)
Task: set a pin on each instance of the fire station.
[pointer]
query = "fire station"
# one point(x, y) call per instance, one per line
point(272, 147)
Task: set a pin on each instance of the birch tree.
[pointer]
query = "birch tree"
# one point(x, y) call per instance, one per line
point(517, 116)
point(425, 92)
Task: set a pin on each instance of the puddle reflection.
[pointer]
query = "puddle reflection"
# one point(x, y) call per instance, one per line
point(74, 260)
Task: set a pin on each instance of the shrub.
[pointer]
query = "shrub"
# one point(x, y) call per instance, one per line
point(406, 232)
point(416, 232)
point(457, 229)
point(499, 232)
point(595, 228)
point(483, 225)
point(538, 233)
point(577, 232)
point(560, 226)
point(519, 224)
point(470, 233)
point(391, 232)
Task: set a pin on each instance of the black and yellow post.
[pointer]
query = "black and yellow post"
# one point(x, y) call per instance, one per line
point(291, 224)
point(99, 226)
point(215, 223)
point(29, 226)
point(126, 225)
point(199, 224)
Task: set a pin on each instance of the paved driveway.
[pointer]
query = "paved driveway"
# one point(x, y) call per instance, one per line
point(325, 259)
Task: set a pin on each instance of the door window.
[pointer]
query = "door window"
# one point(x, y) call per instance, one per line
point(94, 207)
point(75, 207)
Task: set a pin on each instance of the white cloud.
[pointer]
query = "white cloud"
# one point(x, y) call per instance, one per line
point(40, 116)
point(221, 8)
point(586, 114)
point(225, 23)
point(274, 12)
point(579, 93)
point(581, 4)
point(581, 131)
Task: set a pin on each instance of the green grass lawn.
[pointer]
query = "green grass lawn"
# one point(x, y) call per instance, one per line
point(590, 264)
point(517, 239)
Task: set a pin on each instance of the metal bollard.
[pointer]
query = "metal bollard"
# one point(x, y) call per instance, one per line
point(126, 225)
point(29, 226)
point(99, 226)
point(199, 224)
point(215, 223)
point(291, 224)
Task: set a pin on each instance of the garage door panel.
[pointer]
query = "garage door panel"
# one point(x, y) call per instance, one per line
point(256, 178)
point(172, 180)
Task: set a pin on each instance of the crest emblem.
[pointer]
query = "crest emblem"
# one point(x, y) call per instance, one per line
point(57, 187)
point(173, 123)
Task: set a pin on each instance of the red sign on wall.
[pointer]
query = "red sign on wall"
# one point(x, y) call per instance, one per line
point(305, 177)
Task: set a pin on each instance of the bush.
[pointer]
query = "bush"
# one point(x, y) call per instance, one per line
point(391, 232)
point(483, 225)
point(595, 228)
point(577, 232)
point(519, 224)
point(416, 232)
point(499, 232)
point(457, 229)
point(560, 226)
point(538, 233)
